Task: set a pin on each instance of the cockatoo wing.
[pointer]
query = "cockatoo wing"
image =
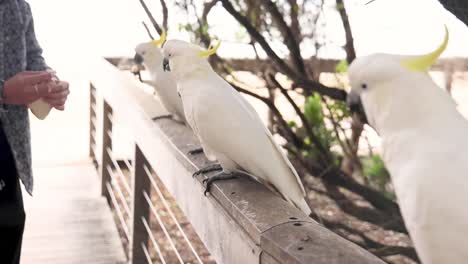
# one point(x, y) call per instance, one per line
point(254, 115)
point(166, 90)
point(231, 129)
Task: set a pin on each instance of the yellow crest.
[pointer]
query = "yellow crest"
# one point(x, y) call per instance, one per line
point(422, 63)
point(210, 51)
point(160, 41)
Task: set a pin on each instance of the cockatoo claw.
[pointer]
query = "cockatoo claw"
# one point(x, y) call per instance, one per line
point(162, 117)
point(195, 151)
point(209, 168)
point(218, 177)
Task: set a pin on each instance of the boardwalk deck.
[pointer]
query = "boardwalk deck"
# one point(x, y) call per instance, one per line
point(68, 221)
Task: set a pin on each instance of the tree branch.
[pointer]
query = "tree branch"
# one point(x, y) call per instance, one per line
point(288, 36)
point(147, 30)
point(294, 14)
point(349, 46)
point(334, 93)
point(150, 16)
point(165, 13)
point(458, 7)
point(325, 154)
point(292, 136)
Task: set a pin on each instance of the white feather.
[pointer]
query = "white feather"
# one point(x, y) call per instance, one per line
point(425, 144)
point(231, 131)
point(162, 81)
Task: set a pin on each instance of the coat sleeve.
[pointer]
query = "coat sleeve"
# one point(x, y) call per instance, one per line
point(35, 61)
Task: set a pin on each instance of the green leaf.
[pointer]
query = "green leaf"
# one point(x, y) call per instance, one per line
point(292, 124)
point(374, 169)
point(342, 67)
point(188, 27)
point(313, 109)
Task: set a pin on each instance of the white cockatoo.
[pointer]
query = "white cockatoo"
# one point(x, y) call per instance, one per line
point(227, 126)
point(424, 146)
point(149, 54)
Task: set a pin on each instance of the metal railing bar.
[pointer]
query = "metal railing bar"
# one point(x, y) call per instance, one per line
point(163, 227)
point(119, 212)
point(94, 150)
point(171, 213)
point(153, 240)
point(128, 165)
point(119, 171)
point(93, 146)
point(93, 107)
point(109, 133)
point(119, 191)
point(147, 255)
point(92, 134)
point(93, 121)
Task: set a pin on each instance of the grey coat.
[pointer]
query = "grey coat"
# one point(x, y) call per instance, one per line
point(19, 51)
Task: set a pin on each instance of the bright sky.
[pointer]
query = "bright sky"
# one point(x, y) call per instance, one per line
point(113, 27)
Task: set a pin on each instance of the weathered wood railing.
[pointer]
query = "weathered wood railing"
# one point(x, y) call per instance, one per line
point(239, 222)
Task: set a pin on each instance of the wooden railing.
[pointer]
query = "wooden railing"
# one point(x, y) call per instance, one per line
point(240, 221)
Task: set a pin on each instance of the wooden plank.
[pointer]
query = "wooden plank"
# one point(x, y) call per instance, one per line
point(304, 242)
point(69, 180)
point(140, 209)
point(73, 231)
point(238, 213)
point(68, 221)
point(92, 116)
point(266, 258)
point(106, 143)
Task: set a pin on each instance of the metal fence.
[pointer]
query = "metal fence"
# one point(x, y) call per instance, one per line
point(239, 222)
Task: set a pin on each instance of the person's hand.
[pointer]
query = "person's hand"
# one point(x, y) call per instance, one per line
point(59, 91)
point(26, 87)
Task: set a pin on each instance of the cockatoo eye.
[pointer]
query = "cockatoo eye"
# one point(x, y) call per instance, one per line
point(364, 86)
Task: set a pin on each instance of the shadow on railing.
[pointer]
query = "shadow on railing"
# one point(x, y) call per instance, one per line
point(239, 222)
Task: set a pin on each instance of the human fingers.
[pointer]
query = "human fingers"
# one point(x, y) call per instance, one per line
point(57, 95)
point(58, 86)
point(60, 107)
point(39, 77)
point(37, 90)
point(56, 102)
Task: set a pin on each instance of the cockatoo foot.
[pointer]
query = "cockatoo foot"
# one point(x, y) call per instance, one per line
point(195, 151)
point(162, 117)
point(209, 168)
point(218, 177)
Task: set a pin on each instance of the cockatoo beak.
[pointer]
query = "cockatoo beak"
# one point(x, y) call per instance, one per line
point(138, 59)
point(355, 105)
point(166, 66)
point(353, 100)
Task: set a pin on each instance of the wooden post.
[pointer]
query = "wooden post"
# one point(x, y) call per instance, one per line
point(106, 143)
point(140, 208)
point(92, 125)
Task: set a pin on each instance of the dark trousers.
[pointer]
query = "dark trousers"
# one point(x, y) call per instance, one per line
point(12, 216)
